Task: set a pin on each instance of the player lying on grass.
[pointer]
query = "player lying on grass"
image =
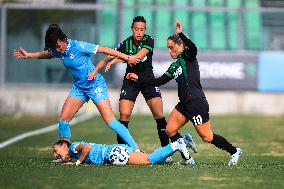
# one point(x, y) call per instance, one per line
point(117, 154)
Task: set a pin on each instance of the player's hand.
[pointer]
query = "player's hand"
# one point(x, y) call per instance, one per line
point(178, 27)
point(133, 60)
point(92, 75)
point(20, 53)
point(109, 64)
point(132, 76)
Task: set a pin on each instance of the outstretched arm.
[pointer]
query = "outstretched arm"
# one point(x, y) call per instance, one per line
point(140, 54)
point(99, 66)
point(127, 58)
point(149, 80)
point(113, 61)
point(191, 46)
point(109, 60)
point(21, 53)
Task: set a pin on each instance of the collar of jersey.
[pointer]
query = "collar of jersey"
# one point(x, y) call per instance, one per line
point(179, 55)
point(68, 46)
point(132, 38)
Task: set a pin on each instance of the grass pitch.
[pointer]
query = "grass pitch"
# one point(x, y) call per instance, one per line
point(26, 164)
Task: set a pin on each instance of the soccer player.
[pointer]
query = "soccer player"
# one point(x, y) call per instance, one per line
point(76, 57)
point(193, 105)
point(140, 45)
point(117, 154)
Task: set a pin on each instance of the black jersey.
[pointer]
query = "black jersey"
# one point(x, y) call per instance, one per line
point(130, 48)
point(185, 71)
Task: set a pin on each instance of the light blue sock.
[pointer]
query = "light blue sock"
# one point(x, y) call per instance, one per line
point(123, 132)
point(159, 155)
point(64, 129)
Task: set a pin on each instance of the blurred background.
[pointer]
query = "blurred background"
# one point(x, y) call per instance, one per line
point(241, 50)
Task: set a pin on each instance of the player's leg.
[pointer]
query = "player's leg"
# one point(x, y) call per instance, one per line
point(175, 122)
point(99, 97)
point(125, 109)
point(71, 106)
point(154, 101)
point(128, 95)
point(203, 127)
point(138, 158)
point(205, 132)
point(160, 155)
point(156, 106)
point(105, 110)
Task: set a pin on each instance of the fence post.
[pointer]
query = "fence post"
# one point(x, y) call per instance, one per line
point(3, 46)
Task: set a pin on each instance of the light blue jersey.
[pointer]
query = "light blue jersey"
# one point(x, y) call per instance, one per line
point(99, 153)
point(77, 59)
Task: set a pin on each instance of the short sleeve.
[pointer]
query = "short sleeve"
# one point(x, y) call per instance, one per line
point(73, 147)
point(148, 43)
point(55, 54)
point(121, 47)
point(85, 47)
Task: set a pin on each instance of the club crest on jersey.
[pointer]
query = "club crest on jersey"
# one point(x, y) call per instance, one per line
point(123, 92)
point(72, 56)
point(177, 72)
point(82, 45)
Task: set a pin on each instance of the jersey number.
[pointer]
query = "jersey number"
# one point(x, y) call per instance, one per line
point(197, 120)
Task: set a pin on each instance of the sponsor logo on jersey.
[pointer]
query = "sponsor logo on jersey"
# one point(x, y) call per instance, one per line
point(177, 72)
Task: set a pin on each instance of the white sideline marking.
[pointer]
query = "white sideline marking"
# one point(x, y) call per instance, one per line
point(17, 138)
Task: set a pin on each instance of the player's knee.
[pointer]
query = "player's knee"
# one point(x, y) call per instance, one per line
point(158, 115)
point(125, 116)
point(170, 131)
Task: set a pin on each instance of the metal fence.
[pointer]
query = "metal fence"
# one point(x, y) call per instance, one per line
point(227, 29)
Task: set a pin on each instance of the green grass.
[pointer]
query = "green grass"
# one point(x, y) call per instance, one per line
point(26, 164)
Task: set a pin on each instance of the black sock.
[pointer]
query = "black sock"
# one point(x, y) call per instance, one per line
point(119, 139)
point(174, 138)
point(161, 127)
point(223, 144)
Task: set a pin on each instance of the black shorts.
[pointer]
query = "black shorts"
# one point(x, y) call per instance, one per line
point(131, 89)
point(197, 110)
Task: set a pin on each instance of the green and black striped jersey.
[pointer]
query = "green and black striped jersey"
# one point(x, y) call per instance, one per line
point(187, 75)
point(185, 71)
point(130, 48)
